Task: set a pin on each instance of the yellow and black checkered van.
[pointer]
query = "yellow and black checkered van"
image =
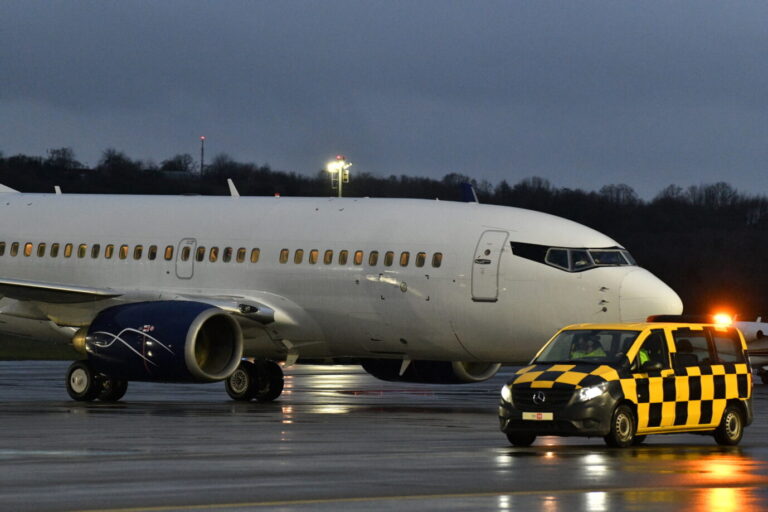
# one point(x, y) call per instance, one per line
point(625, 381)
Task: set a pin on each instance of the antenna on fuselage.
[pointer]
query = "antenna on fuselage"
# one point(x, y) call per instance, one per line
point(232, 189)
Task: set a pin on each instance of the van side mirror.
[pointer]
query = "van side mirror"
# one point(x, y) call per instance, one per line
point(650, 366)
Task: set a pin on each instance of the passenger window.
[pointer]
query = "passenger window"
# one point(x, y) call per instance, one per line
point(200, 254)
point(137, 251)
point(255, 253)
point(557, 258)
point(2, 248)
point(186, 252)
point(358, 259)
point(241, 255)
point(152, 252)
point(313, 256)
point(691, 348)
point(54, 250)
point(404, 258)
point(284, 255)
point(728, 346)
point(298, 256)
point(373, 258)
point(213, 254)
point(227, 256)
point(109, 251)
point(67, 250)
point(28, 249)
point(82, 249)
point(95, 250)
point(123, 254)
point(328, 257)
point(580, 260)
point(437, 259)
point(389, 258)
point(168, 253)
point(40, 250)
point(343, 256)
point(421, 258)
point(653, 350)
point(14, 248)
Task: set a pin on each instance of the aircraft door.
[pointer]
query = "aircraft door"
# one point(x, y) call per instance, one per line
point(185, 258)
point(485, 267)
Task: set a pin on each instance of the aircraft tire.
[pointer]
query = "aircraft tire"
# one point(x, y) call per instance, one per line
point(241, 385)
point(269, 381)
point(112, 390)
point(83, 383)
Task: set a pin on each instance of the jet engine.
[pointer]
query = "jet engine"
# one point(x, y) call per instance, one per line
point(433, 372)
point(163, 341)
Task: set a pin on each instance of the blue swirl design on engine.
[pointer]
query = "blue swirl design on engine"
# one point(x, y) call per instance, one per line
point(145, 341)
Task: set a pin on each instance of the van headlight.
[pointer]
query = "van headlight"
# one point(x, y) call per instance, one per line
point(586, 394)
point(506, 393)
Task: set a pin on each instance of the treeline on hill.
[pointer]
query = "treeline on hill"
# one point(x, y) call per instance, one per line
point(707, 242)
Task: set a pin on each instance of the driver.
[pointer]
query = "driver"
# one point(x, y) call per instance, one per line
point(593, 348)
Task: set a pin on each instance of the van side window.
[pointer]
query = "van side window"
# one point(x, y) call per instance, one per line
point(437, 259)
point(54, 250)
point(691, 347)
point(728, 346)
point(653, 350)
point(109, 251)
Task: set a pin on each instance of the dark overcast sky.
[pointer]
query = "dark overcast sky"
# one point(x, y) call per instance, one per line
point(581, 93)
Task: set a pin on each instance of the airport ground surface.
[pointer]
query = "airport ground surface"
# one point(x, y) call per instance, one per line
point(339, 439)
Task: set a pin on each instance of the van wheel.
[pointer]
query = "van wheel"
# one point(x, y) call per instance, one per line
point(731, 428)
point(622, 432)
point(521, 438)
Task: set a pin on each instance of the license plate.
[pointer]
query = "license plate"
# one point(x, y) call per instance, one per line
point(538, 416)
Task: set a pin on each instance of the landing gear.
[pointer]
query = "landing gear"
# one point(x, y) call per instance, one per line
point(260, 380)
point(85, 385)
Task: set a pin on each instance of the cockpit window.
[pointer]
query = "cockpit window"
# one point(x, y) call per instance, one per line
point(588, 346)
point(573, 259)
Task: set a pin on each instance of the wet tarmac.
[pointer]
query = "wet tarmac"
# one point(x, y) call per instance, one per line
point(340, 440)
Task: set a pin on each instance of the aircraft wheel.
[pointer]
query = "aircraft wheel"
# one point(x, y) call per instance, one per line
point(622, 432)
point(269, 381)
point(241, 384)
point(82, 382)
point(112, 390)
point(521, 439)
point(731, 428)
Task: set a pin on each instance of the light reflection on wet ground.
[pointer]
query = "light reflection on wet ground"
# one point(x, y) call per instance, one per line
point(339, 439)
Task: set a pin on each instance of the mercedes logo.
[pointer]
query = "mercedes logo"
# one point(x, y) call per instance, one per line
point(539, 398)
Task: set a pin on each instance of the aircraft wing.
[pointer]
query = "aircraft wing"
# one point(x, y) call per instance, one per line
point(53, 293)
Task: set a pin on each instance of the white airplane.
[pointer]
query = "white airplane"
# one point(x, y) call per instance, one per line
point(200, 289)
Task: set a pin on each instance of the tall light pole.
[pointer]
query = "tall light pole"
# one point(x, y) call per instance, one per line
point(339, 170)
point(202, 154)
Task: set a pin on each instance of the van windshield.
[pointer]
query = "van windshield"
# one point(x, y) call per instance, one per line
point(601, 346)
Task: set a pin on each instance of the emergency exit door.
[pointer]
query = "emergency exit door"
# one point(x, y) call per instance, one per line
point(485, 267)
point(185, 258)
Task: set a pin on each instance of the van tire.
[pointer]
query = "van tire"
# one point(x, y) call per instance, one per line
point(622, 432)
point(731, 428)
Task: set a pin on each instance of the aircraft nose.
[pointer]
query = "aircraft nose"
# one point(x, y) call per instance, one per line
point(642, 294)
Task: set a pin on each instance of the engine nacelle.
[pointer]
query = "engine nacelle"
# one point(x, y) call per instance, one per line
point(169, 341)
point(433, 372)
